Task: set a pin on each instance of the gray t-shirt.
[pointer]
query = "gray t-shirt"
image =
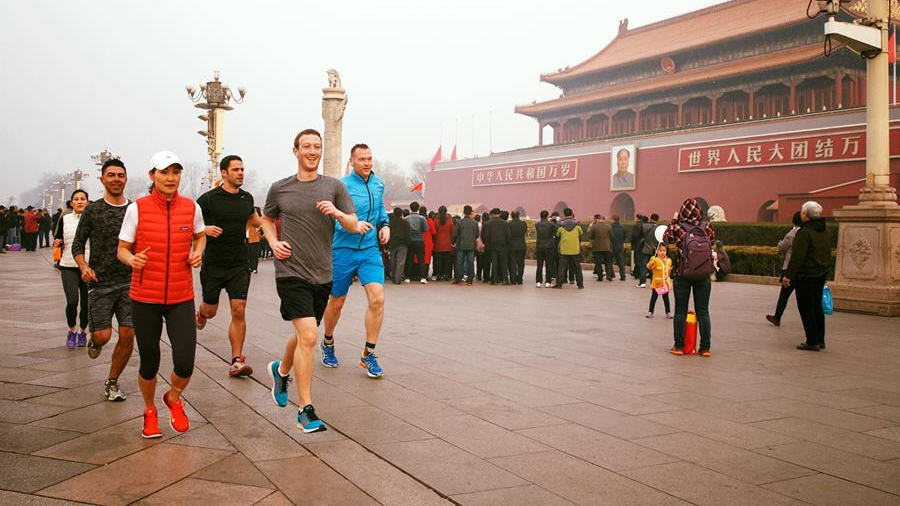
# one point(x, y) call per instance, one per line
point(307, 230)
point(417, 226)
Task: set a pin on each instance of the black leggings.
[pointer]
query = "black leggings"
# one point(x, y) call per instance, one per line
point(148, 322)
point(654, 296)
point(76, 291)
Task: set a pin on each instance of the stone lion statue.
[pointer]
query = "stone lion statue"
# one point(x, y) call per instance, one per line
point(334, 79)
point(716, 213)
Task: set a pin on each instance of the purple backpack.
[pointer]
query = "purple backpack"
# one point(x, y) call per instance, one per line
point(696, 252)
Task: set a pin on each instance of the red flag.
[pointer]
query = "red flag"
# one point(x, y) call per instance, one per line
point(453, 154)
point(436, 158)
point(892, 47)
point(418, 187)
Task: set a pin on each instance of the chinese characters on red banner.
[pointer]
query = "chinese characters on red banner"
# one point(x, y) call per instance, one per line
point(539, 172)
point(834, 147)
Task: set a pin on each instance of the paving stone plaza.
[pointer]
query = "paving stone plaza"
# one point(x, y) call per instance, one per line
point(491, 395)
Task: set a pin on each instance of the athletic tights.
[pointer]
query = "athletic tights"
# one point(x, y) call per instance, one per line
point(148, 323)
point(76, 291)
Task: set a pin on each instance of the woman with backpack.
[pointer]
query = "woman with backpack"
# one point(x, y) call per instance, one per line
point(693, 239)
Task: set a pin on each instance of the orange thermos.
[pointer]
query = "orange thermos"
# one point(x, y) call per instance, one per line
point(690, 334)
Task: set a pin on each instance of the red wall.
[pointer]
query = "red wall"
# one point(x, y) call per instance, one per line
point(660, 187)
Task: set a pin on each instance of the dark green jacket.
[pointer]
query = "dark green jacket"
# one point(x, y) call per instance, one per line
point(811, 251)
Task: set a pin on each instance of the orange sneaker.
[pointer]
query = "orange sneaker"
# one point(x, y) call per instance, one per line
point(676, 351)
point(151, 424)
point(177, 417)
point(704, 353)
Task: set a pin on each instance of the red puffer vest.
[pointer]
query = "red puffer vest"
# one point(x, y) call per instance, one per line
point(166, 227)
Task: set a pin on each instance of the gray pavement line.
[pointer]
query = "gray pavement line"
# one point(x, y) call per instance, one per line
point(331, 427)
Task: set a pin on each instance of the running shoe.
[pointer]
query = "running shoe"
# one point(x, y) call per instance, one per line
point(70, 339)
point(112, 392)
point(676, 351)
point(82, 339)
point(423, 281)
point(151, 425)
point(328, 358)
point(308, 421)
point(239, 368)
point(369, 362)
point(177, 417)
point(279, 384)
point(93, 348)
point(538, 284)
point(649, 314)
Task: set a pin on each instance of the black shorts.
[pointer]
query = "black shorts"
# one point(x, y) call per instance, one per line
point(106, 301)
point(302, 299)
point(235, 281)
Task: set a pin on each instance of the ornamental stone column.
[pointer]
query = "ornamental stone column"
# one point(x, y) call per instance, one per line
point(334, 102)
point(867, 272)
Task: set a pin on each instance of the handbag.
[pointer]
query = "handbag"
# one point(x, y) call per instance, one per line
point(662, 290)
point(827, 301)
point(57, 254)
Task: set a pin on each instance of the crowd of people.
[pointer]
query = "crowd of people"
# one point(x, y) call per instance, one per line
point(133, 261)
point(28, 228)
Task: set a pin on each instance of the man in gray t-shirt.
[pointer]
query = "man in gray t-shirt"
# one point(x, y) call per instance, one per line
point(307, 204)
point(308, 231)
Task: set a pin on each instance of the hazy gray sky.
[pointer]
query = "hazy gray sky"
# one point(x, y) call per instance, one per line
point(81, 76)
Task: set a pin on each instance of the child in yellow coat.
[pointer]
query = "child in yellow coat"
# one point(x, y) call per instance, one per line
point(661, 267)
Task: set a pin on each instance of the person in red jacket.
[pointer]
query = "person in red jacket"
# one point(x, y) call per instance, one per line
point(30, 229)
point(443, 244)
point(162, 237)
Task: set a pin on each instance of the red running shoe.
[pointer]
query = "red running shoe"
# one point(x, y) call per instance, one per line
point(151, 424)
point(239, 368)
point(177, 417)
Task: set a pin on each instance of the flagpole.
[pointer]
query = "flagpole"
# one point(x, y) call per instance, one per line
point(473, 136)
point(893, 40)
point(491, 131)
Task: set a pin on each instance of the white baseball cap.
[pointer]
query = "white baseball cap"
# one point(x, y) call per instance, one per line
point(164, 159)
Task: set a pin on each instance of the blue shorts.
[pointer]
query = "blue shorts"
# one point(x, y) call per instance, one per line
point(346, 263)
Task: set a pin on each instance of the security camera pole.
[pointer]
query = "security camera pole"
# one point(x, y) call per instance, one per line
point(867, 273)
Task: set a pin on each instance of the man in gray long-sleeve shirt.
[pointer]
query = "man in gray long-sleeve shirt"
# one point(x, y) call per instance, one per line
point(418, 226)
point(464, 236)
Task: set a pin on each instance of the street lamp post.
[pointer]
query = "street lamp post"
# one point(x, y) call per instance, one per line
point(217, 97)
point(867, 268)
point(103, 157)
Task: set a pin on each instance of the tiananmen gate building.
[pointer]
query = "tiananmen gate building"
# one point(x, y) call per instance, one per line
point(736, 104)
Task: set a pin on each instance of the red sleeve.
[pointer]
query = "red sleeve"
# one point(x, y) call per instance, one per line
point(711, 232)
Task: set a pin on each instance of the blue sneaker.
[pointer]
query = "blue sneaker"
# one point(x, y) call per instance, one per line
point(279, 384)
point(308, 421)
point(328, 358)
point(370, 364)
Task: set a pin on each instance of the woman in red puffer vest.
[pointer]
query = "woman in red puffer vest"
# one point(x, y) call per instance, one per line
point(161, 239)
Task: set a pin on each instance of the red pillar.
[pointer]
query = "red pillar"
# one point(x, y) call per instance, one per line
point(680, 118)
point(862, 91)
point(793, 97)
point(637, 120)
point(540, 134)
point(752, 106)
point(610, 127)
point(713, 113)
point(584, 126)
point(838, 89)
